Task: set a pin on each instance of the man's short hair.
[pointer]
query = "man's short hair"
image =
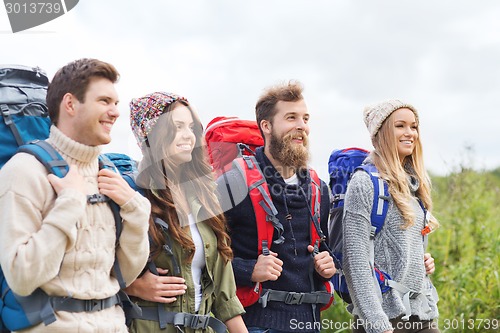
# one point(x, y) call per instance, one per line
point(75, 78)
point(265, 109)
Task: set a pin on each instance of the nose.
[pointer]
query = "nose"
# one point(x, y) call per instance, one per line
point(408, 131)
point(187, 133)
point(113, 111)
point(302, 125)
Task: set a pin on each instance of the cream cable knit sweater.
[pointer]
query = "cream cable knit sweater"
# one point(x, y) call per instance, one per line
point(63, 244)
point(398, 252)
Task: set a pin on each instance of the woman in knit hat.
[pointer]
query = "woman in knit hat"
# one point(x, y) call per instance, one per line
point(398, 249)
point(189, 274)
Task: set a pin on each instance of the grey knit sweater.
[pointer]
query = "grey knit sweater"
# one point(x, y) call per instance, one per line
point(399, 252)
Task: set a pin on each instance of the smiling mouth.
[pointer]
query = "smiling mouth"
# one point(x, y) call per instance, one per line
point(107, 125)
point(185, 147)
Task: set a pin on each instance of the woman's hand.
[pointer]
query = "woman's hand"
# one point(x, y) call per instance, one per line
point(154, 288)
point(429, 264)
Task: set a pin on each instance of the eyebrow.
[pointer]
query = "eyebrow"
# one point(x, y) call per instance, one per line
point(404, 122)
point(295, 114)
point(182, 122)
point(108, 98)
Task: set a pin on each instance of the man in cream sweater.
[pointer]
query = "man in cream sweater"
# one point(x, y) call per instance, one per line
point(50, 236)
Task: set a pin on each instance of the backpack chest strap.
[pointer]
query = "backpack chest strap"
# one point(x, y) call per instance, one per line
point(180, 319)
point(83, 305)
point(290, 297)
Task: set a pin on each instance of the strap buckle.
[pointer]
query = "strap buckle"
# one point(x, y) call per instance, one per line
point(92, 305)
point(96, 198)
point(294, 298)
point(197, 321)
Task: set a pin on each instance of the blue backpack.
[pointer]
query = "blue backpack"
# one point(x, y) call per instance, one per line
point(341, 165)
point(23, 109)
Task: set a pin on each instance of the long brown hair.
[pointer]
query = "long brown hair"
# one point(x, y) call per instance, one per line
point(386, 159)
point(166, 189)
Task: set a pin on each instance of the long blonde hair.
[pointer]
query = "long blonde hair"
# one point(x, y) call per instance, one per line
point(386, 158)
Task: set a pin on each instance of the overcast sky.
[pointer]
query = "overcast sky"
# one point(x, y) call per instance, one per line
point(441, 56)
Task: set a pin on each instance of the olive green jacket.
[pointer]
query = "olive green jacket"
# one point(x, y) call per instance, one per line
point(217, 282)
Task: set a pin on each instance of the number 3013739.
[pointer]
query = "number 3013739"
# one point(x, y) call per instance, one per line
point(33, 8)
point(473, 323)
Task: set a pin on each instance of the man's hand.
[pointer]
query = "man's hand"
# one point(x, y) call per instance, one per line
point(72, 180)
point(154, 288)
point(267, 268)
point(429, 264)
point(114, 186)
point(323, 263)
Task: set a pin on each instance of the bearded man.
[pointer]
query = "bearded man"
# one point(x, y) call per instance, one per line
point(293, 267)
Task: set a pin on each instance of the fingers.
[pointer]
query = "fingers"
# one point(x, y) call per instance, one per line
point(72, 180)
point(168, 287)
point(267, 268)
point(161, 289)
point(430, 266)
point(114, 186)
point(323, 264)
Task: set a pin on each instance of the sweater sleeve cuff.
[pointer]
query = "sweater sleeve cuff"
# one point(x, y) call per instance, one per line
point(243, 269)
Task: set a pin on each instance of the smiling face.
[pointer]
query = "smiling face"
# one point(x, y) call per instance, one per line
point(95, 116)
point(287, 134)
point(181, 148)
point(405, 131)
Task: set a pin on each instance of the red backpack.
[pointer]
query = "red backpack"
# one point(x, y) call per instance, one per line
point(229, 138)
point(223, 136)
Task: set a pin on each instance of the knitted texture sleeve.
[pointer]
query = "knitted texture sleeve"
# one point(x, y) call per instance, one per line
point(133, 249)
point(34, 235)
point(356, 244)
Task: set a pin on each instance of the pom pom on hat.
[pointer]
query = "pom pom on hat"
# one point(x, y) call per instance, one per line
point(374, 115)
point(145, 111)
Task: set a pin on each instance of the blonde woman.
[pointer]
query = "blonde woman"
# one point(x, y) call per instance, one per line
point(399, 248)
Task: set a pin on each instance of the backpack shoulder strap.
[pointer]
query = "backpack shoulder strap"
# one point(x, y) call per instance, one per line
point(105, 163)
point(167, 247)
point(317, 235)
point(380, 198)
point(264, 209)
point(46, 154)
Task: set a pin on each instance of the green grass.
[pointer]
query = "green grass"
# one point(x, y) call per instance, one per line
point(467, 253)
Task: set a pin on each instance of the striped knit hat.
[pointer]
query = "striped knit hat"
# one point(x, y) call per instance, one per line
point(145, 112)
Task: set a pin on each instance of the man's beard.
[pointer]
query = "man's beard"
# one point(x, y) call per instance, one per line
point(290, 154)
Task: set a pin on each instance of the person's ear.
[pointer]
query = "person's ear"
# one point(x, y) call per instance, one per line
point(68, 104)
point(266, 126)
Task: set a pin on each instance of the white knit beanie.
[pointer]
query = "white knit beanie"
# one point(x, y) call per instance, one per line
point(374, 115)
